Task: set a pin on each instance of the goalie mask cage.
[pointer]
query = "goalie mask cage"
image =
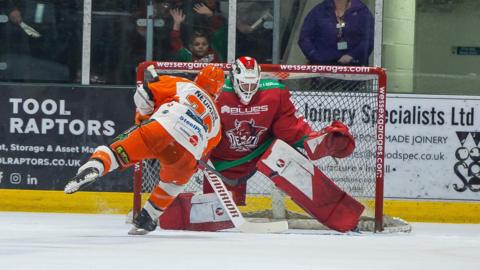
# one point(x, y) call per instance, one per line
point(353, 95)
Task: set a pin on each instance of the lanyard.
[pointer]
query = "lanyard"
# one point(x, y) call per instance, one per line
point(340, 25)
point(341, 22)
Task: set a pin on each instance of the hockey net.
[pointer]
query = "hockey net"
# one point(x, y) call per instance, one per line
point(353, 95)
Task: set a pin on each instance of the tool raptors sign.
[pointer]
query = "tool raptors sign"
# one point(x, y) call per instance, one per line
point(47, 132)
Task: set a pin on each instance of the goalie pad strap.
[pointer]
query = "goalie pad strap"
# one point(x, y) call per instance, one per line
point(313, 191)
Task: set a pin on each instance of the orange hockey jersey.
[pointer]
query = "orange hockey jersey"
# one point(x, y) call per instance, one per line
point(187, 112)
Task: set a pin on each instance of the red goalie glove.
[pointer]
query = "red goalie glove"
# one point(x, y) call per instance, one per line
point(334, 140)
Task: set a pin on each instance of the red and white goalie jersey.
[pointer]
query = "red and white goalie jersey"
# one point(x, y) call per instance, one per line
point(248, 130)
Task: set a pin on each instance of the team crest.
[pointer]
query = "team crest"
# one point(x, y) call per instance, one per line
point(280, 163)
point(219, 211)
point(245, 135)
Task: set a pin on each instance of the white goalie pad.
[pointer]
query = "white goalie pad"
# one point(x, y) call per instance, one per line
point(196, 212)
point(291, 165)
point(207, 208)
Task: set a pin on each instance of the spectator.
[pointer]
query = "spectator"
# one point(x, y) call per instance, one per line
point(111, 47)
point(162, 26)
point(207, 18)
point(338, 32)
point(199, 47)
point(42, 37)
point(255, 30)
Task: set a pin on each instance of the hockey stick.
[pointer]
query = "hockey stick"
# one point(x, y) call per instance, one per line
point(215, 180)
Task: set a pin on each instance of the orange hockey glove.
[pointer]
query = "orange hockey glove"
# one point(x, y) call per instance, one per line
point(140, 118)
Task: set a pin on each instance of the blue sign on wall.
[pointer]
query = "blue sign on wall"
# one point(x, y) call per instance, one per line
point(466, 50)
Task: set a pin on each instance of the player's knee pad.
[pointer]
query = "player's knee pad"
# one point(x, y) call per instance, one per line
point(164, 193)
point(180, 169)
point(202, 212)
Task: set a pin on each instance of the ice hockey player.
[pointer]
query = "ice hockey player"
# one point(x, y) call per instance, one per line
point(183, 126)
point(254, 113)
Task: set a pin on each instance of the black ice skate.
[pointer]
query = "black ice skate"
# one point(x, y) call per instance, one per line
point(143, 223)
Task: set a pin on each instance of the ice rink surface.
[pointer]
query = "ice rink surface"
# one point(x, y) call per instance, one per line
point(84, 242)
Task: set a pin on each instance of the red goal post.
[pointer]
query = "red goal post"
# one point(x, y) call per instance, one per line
point(355, 95)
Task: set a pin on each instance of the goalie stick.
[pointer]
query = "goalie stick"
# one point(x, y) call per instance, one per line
point(216, 181)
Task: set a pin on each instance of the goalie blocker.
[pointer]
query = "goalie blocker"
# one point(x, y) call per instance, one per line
point(291, 172)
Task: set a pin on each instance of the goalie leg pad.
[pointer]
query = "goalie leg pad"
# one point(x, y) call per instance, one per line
point(239, 192)
point(312, 190)
point(202, 212)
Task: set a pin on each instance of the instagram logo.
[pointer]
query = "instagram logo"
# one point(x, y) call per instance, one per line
point(15, 178)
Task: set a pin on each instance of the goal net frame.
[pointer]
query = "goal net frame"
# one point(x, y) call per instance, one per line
point(283, 73)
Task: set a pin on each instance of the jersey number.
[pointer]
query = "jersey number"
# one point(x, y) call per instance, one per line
point(201, 110)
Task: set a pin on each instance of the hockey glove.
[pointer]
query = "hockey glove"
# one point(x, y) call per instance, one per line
point(334, 140)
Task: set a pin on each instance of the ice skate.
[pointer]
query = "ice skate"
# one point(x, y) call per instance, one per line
point(146, 221)
point(87, 174)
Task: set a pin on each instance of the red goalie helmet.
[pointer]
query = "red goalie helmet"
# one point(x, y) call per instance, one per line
point(211, 79)
point(245, 76)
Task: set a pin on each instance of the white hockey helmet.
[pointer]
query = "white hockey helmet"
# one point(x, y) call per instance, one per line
point(245, 76)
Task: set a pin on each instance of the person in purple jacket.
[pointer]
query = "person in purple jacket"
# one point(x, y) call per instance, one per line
point(338, 32)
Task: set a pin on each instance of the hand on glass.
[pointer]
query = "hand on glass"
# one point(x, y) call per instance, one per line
point(178, 18)
point(203, 10)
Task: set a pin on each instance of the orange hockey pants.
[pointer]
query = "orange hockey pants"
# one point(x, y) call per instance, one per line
point(151, 141)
